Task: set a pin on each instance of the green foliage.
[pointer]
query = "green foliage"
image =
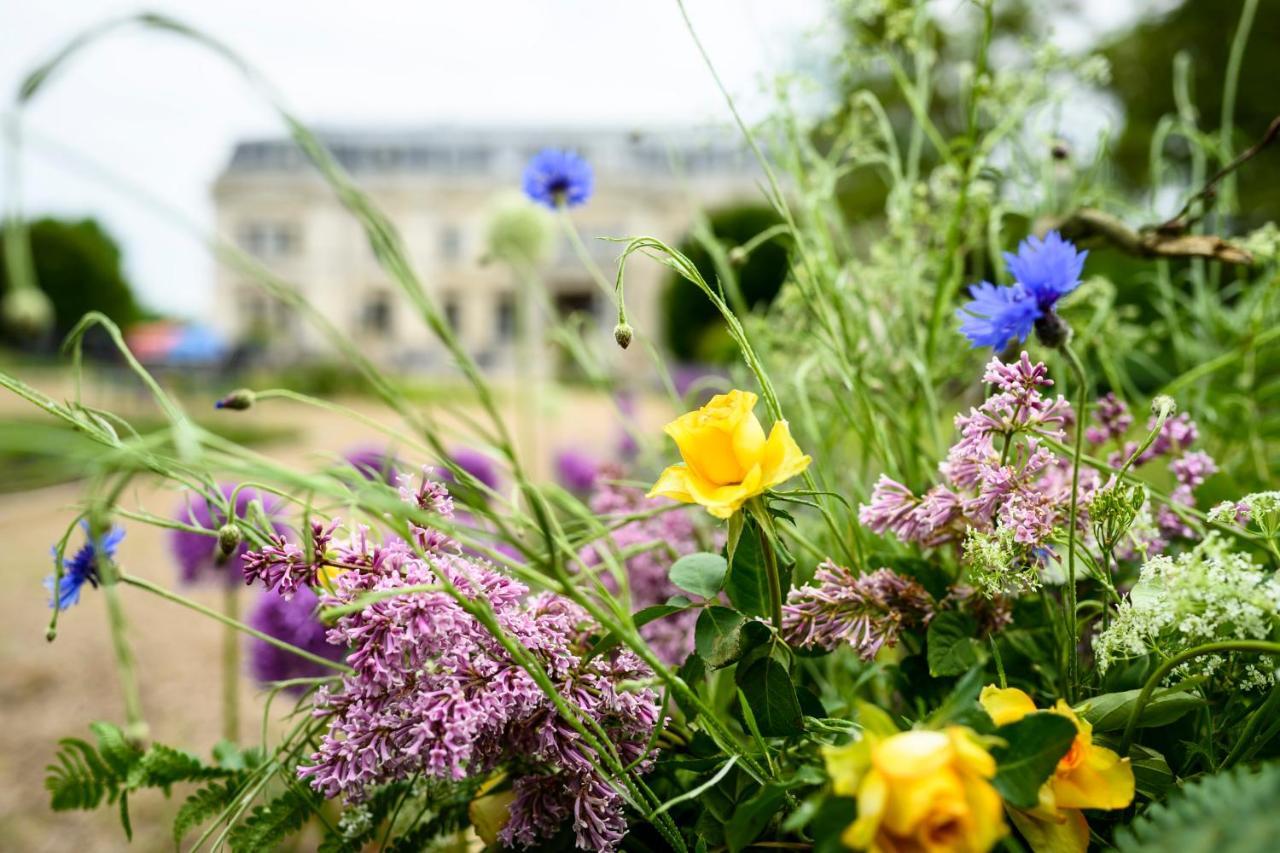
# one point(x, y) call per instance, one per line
point(1032, 748)
point(953, 647)
point(692, 328)
point(204, 805)
point(1232, 812)
point(84, 775)
point(770, 696)
point(77, 265)
point(701, 574)
point(268, 824)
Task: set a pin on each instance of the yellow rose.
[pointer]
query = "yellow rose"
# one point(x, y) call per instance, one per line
point(919, 792)
point(1087, 777)
point(727, 458)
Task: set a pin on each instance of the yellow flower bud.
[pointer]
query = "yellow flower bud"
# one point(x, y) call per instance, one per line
point(727, 458)
point(919, 791)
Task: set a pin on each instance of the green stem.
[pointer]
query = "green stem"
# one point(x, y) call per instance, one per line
point(228, 621)
point(765, 526)
point(231, 664)
point(136, 727)
point(1262, 647)
point(1072, 626)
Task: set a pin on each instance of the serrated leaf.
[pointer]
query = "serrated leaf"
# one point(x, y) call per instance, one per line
point(205, 804)
point(1033, 746)
point(1110, 711)
point(271, 822)
point(117, 752)
point(701, 574)
point(951, 643)
point(768, 690)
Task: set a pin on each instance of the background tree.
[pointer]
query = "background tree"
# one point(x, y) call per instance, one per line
point(77, 265)
point(692, 327)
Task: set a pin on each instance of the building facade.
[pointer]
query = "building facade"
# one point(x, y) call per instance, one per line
point(439, 188)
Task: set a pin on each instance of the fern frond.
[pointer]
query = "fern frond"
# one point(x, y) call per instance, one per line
point(268, 824)
point(1231, 812)
point(205, 803)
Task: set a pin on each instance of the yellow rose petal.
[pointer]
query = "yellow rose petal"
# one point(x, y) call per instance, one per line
point(1005, 705)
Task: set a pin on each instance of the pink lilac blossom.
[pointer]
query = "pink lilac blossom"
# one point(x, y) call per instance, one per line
point(673, 535)
point(984, 488)
point(1113, 420)
point(434, 693)
point(867, 612)
point(284, 567)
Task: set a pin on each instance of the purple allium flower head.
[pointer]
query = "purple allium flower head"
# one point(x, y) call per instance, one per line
point(867, 612)
point(295, 621)
point(475, 463)
point(576, 471)
point(555, 177)
point(1044, 270)
point(1048, 268)
point(197, 553)
point(671, 535)
point(994, 316)
point(81, 568)
point(375, 463)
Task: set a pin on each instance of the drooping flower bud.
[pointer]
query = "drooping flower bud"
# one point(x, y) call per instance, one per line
point(238, 400)
point(1163, 404)
point(26, 311)
point(623, 333)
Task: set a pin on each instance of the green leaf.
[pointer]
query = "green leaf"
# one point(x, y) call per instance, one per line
point(750, 818)
point(691, 672)
point(1151, 773)
point(642, 617)
point(768, 690)
point(701, 574)
point(962, 702)
point(952, 647)
point(1033, 747)
point(718, 636)
point(1110, 711)
point(746, 583)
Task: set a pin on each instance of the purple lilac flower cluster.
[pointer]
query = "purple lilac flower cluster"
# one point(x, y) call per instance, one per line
point(1023, 487)
point(1190, 468)
point(674, 535)
point(867, 612)
point(436, 694)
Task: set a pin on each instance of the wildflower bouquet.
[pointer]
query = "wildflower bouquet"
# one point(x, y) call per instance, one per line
point(944, 607)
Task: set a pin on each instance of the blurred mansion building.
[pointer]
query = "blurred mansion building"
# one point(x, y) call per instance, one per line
point(439, 187)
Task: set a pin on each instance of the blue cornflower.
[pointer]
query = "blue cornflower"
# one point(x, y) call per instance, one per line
point(1044, 270)
point(82, 568)
point(996, 315)
point(554, 177)
point(1049, 268)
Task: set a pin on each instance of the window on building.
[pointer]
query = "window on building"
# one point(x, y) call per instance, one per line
point(452, 311)
point(376, 316)
point(505, 318)
point(577, 299)
point(270, 239)
point(451, 243)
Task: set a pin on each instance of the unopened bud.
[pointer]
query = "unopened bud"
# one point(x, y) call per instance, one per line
point(238, 400)
point(737, 256)
point(1163, 405)
point(26, 311)
point(228, 540)
point(623, 333)
point(1060, 150)
point(1052, 330)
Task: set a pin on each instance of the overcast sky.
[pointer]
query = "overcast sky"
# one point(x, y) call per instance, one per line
point(163, 115)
